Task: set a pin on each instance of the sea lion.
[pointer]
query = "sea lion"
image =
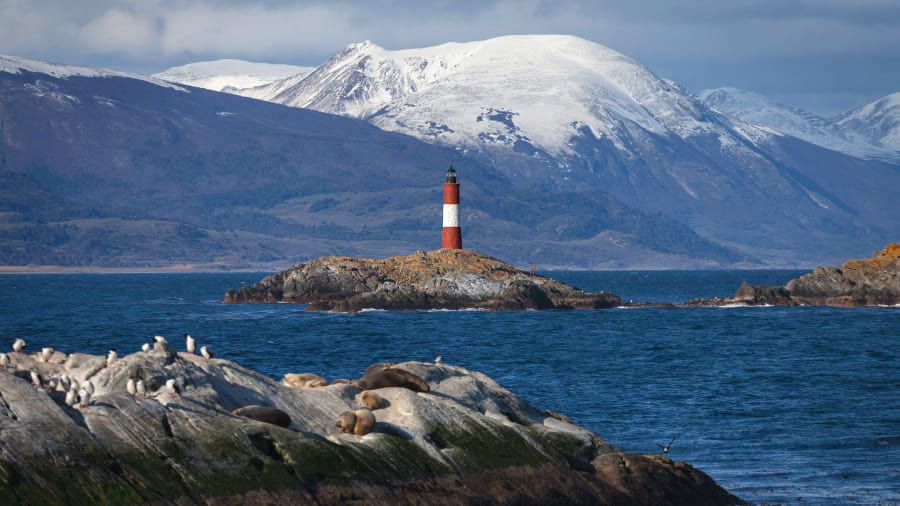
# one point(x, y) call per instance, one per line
point(378, 366)
point(413, 382)
point(381, 379)
point(359, 422)
point(304, 380)
point(264, 414)
point(346, 421)
point(365, 421)
point(391, 377)
point(372, 400)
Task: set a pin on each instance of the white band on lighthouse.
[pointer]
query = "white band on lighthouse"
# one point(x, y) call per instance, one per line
point(451, 215)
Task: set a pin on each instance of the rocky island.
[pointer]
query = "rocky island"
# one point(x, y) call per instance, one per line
point(175, 428)
point(869, 282)
point(441, 279)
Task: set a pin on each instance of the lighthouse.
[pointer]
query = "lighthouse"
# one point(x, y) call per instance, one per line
point(451, 236)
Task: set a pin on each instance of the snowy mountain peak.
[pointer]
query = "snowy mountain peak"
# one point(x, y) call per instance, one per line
point(879, 120)
point(531, 91)
point(759, 110)
point(230, 74)
point(16, 65)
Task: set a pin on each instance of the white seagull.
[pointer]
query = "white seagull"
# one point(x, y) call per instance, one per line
point(71, 398)
point(172, 388)
point(111, 357)
point(85, 398)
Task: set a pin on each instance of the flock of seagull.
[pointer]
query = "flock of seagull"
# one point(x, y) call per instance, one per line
point(80, 394)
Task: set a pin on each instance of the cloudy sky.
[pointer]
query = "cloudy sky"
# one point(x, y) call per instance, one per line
point(827, 56)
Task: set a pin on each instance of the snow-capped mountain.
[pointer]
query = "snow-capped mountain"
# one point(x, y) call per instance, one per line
point(529, 93)
point(878, 120)
point(229, 75)
point(16, 65)
point(561, 112)
point(759, 110)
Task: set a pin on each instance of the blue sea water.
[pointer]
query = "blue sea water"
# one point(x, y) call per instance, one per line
point(783, 405)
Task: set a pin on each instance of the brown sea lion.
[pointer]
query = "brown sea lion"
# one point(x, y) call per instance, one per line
point(359, 422)
point(346, 422)
point(372, 400)
point(378, 366)
point(381, 379)
point(264, 414)
point(365, 421)
point(304, 380)
point(413, 382)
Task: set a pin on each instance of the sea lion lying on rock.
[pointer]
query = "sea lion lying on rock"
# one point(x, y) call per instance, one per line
point(264, 414)
point(384, 375)
point(359, 422)
point(372, 400)
point(304, 380)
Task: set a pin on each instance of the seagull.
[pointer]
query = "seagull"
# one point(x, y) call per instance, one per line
point(4, 360)
point(666, 448)
point(190, 343)
point(36, 380)
point(131, 387)
point(65, 382)
point(88, 386)
point(145, 347)
point(141, 389)
point(71, 398)
point(18, 344)
point(206, 352)
point(172, 388)
point(46, 354)
point(85, 398)
point(111, 357)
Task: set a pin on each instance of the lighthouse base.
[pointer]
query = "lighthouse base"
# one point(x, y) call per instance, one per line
point(451, 238)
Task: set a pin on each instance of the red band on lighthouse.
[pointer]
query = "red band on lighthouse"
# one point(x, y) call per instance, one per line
point(451, 235)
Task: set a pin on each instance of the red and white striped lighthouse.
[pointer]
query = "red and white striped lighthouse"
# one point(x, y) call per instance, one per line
point(451, 236)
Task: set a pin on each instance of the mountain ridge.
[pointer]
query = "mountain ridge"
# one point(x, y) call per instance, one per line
point(121, 172)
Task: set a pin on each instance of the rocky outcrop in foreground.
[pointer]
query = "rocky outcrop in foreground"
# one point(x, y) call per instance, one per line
point(465, 440)
point(441, 279)
point(871, 282)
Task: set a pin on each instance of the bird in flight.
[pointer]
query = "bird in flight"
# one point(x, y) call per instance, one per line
point(666, 448)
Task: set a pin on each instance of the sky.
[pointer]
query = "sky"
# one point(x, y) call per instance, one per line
point(826, 56)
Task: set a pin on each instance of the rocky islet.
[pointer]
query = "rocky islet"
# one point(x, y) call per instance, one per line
point(215, 437)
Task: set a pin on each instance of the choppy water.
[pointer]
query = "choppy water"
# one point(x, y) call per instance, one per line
point(777, 404)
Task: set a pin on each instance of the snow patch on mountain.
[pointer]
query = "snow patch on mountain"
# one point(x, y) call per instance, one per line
point(781, 119)
point(230, 75)
point(879, 120)
point(16, 65)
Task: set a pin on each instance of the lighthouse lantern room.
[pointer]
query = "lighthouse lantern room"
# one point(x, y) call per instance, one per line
point(451, 236)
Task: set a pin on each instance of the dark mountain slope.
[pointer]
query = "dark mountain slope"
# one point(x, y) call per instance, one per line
point(113, 171)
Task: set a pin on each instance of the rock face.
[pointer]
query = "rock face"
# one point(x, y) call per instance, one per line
point(441, 279)
point(466, 441)
point(870, 282)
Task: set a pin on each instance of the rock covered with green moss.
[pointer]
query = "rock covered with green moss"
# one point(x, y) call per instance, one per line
point(465, 440)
